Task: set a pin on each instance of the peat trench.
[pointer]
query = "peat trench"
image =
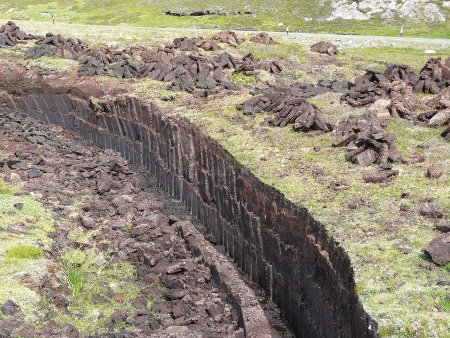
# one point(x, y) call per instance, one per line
point(276, 244)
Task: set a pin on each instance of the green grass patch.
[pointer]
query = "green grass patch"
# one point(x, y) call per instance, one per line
point(25, 252)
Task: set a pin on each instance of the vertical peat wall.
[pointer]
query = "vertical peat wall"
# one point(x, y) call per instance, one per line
point(277, 244)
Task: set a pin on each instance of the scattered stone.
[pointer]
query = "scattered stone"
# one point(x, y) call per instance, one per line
point(431, 211)
point(439, 249)
point(435, 170)
point(324, 47)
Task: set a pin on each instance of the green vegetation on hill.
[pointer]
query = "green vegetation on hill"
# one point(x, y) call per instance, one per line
point(268, 15)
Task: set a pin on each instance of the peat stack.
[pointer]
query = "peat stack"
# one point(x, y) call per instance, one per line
point(405, 73)
point(55, 44)
point(264, 38)
point(10, 34)
point(324, 47)
point(289, 106)
point(228, 37)
point(248, 65)
point(194, 44)
point(433, 77)
point(403, 101)
point(368, 88)
point(366, 140)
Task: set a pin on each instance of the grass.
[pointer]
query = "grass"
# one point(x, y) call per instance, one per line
point(269, 15)
point(25, 252)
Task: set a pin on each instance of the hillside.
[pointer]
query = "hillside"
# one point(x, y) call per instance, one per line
point(427, 18)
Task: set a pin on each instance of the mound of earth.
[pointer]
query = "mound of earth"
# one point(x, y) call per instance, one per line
point(289, 106)
point(324, 47)
point(264, 38)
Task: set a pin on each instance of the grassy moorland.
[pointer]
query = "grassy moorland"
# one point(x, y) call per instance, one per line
point(385, 244)
point(302, 15)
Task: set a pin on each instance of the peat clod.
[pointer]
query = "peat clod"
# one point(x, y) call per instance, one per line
point(433, 77)
point(324, 47)
point(289, 106)
point(380, 175)
point(439, 249)
point(11, 34)
point(366, 140)
point(337, 86)
point(264, 38)
point(228, 37)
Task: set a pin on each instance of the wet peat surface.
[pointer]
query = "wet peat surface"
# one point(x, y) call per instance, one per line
point(118, 212)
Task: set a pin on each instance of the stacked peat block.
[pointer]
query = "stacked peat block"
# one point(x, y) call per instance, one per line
point(434, 77)
point(367, 89)
point(228, 37)
point(248, 65)
point(400, 72)
point(288, 106)
point(55, 44)
point(324, 47)
point(194, 44)
point(366, 140)
point(403, 100)
point(10, 34)
point(264, 38)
